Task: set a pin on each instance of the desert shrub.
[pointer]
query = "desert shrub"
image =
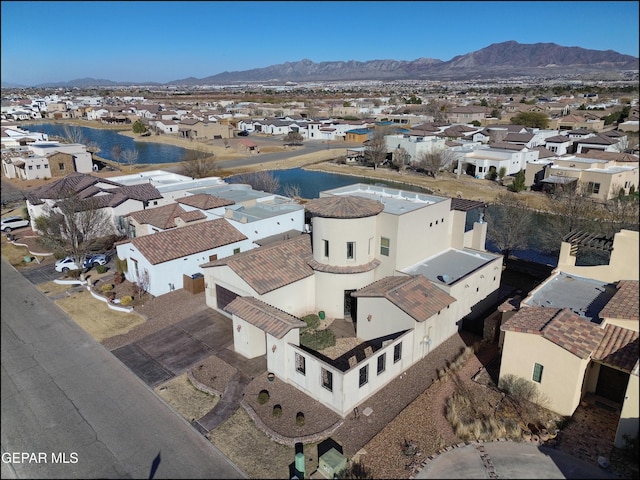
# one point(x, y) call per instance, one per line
point(519, 388)
point(263, 397)
point(107, 287)
point(317, 339)
point(277, 411)
point(101, 268)
point(312, 320)
point(126, 300)
point(300, 419)
point(118, 278)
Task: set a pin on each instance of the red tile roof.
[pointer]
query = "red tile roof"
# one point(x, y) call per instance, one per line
point(266, 317)
point(272, 266)
point(560, 326)
point(344, 206)
point(415, 295)
point(189, 240)
point(164, 217)
point(624, 304)
point(205, 201)
point(618, 348)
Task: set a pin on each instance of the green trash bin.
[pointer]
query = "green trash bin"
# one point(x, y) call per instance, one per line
point(321, 314)
point(27, 259)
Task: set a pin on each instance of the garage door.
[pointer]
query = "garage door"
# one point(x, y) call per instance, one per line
point(224, 296)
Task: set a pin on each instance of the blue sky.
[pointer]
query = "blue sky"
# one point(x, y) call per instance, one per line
point(163, 41)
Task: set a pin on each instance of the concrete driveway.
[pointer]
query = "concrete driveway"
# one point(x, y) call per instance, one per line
point(171, 351)
point(509, 460)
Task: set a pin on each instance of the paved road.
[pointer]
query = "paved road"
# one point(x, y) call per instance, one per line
point(66, 398)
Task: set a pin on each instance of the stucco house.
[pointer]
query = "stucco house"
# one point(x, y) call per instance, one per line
point(366, 259)
point(575, 336)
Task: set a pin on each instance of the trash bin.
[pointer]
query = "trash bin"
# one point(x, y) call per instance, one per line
point(321, 314)
point(27, 259)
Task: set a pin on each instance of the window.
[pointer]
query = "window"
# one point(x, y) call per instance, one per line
point(37, 167)
point(593, 187)
point(384, 246)
point(327, 379)
point(300, 364)
point(236, 250)
point(364, 375)
point(382, 360)
point(351, 246)
point(537, 372)
point(397, 352)
point(61, 166)
point(325, 244)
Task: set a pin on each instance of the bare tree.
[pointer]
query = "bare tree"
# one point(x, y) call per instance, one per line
point(142, 283)
point(508, 226)
point(263, 180)
point(293, 138)
point(292, 191)
point(497, 135)
point(130, 157)
point(375, 151)
point(432, 162)
point(198, 164)
point(73, 134)
point(116, 152)
point(73, 225)
point(400, 158)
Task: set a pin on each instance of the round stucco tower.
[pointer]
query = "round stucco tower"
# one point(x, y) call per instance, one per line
point(343, 242)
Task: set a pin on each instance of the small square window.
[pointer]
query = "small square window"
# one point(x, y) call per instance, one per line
point(397, 352)
point(300, 364)
point(385, 244)
point(364, 375)
point(236, 250)
point(382, 360)
point(537, 372)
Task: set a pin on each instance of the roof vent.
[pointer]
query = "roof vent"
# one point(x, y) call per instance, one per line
point(446, 278)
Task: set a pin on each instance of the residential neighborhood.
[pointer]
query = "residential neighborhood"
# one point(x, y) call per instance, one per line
point(395, 275)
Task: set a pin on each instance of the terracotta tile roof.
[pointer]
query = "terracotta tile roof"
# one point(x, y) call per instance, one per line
point(273, 266)
point(344, 206)
point(266, 317)
point(205, 201)
point(624, 304)
point(164, 217)
point(573, 333)
point(415, 295)
point(180, 242)
point(530, 320)
point(518, 137)
point(618, 348)
point(614, 156)
point(321, 267)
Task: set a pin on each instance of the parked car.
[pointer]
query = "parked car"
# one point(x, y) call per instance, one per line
point(243, 133)
point(91, 260)
point(11, 223)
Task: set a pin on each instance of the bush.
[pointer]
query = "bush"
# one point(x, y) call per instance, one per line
point(277, 411)
point(106, 288)
point(317, 339)
point(118, 278)
point(263, 397)
point(312, 320)
point(126, 300)
point(73, 274)
point(300, 419)
point(101, 268)
point(121, 265)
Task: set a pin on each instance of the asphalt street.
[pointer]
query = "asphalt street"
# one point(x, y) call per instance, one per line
point(70, 409)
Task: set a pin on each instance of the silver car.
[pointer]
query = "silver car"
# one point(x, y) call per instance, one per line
point(11, 223)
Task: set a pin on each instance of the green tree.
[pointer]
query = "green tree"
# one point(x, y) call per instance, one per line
point(518, 182)
point(531, 119)
point(139, 127)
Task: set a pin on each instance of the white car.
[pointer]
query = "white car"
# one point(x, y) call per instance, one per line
point(11, 223)
point(91, 260)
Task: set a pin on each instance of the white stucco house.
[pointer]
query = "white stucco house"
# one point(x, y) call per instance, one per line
point(479, 160)
point(405, 268)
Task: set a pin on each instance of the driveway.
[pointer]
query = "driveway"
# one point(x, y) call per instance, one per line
point(173, 350)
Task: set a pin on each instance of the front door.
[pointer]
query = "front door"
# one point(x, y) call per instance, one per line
point(612, 384)
point(349, 304)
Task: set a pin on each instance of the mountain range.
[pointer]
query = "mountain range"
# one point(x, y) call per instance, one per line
point(499, 60)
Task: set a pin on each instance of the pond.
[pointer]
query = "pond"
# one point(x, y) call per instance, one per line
point(148, 153)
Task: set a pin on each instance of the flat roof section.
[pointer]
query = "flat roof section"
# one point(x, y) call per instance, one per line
point(452, 265)
point(583, 296)
point(395, 201)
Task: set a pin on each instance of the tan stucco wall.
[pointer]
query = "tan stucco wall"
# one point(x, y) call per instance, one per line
point(340, 231)
point(623, 264)
point(562, 374)
point(628, 423)
point(330, 290)
point(248, 340)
